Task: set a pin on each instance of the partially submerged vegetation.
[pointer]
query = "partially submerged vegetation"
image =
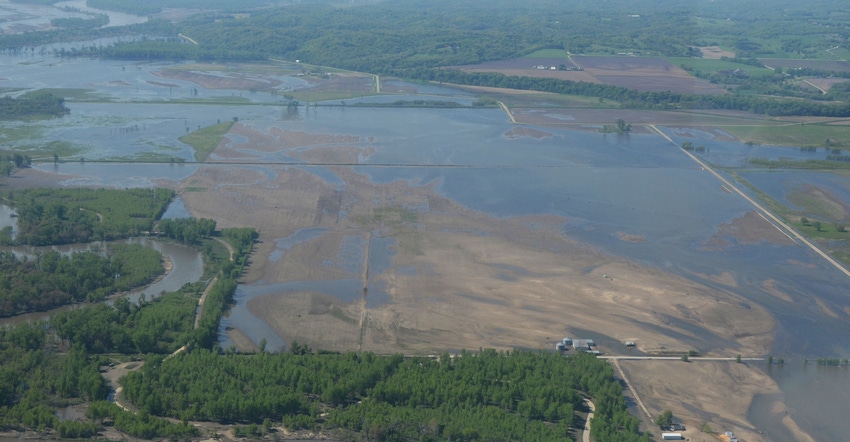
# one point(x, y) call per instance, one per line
point(40, 105)
point(64, 216)
point(206, 139)
point(52, 280)
point(350, 395)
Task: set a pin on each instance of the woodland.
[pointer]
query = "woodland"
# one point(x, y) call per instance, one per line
point(483, 395)
point(480, 395)
point(426, 40)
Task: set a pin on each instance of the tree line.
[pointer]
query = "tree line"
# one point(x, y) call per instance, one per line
point(39, 105)
point(79, 215)
point(487, 395)
point(51, 279)
point(631, 98)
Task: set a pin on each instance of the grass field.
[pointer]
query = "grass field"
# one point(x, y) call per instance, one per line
point(548, 53)
point(70, 94)
point(839, 54)
point(807, 134)
point(711, 65)
point(314, 96)
point(206, 139)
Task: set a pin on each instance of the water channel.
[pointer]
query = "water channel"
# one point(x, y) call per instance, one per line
point(187, 262)
point(601, 184)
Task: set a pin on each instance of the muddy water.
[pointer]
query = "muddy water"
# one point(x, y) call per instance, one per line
point(8, 218)
point(815, 396)
point(604, 187)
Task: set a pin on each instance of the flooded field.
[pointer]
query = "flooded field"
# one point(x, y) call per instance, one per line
point(18, 17)
point(415, 229)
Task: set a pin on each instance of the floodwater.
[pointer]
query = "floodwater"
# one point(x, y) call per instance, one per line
point(603, 185)
point(188, 267)
point(23, 17)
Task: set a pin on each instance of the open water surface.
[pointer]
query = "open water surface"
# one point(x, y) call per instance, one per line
point(603, 185)
point(188, 267)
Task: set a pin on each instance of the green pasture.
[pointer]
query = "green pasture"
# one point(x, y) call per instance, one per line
point(543, 99)
point(145, 157)
point(798, 134)
point(692, 64)
point(206, 139)
point(310, 96)
point(70, 94)
point(838, 54)
point(548, 53)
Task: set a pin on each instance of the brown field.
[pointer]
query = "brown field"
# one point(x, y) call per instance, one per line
point(825, 65)
point(714, 52)
point(463, 279)
point(504, 273)
point(230, 81)
point(716, 393)
point(526, 67)
point(648, 74)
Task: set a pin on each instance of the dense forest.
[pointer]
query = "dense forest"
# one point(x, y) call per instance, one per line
point(635, 99)
point(486, 395)
point(51, 279)
point(417, 38)
point(57, 363)
point(64, 216)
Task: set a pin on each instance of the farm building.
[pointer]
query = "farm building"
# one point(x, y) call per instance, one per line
point(583, 344)
point(728, 437)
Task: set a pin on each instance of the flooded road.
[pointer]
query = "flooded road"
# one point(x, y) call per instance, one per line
point(633, 196)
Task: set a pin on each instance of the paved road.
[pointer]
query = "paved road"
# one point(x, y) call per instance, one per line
point(676, 358)
point(764, 212)
point(507, 111)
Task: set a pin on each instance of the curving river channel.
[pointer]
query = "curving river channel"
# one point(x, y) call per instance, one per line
point(187, 267)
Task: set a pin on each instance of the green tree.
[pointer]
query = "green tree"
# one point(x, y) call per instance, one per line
point(665, 419)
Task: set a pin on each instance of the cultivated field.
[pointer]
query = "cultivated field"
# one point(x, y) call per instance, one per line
point(824, 65)
point(641, 73)
point(528, 67)
point(645, 74)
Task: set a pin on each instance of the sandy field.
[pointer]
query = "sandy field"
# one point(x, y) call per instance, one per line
point(463, 279)
point(714, 393)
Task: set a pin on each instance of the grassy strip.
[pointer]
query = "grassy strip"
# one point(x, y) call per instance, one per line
point(205, 140)
point(804, 134)
point(805, 165)
point(715, 65)
point(70, 94)
point(771, 204)
point(836, 234)
point(314, 96)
